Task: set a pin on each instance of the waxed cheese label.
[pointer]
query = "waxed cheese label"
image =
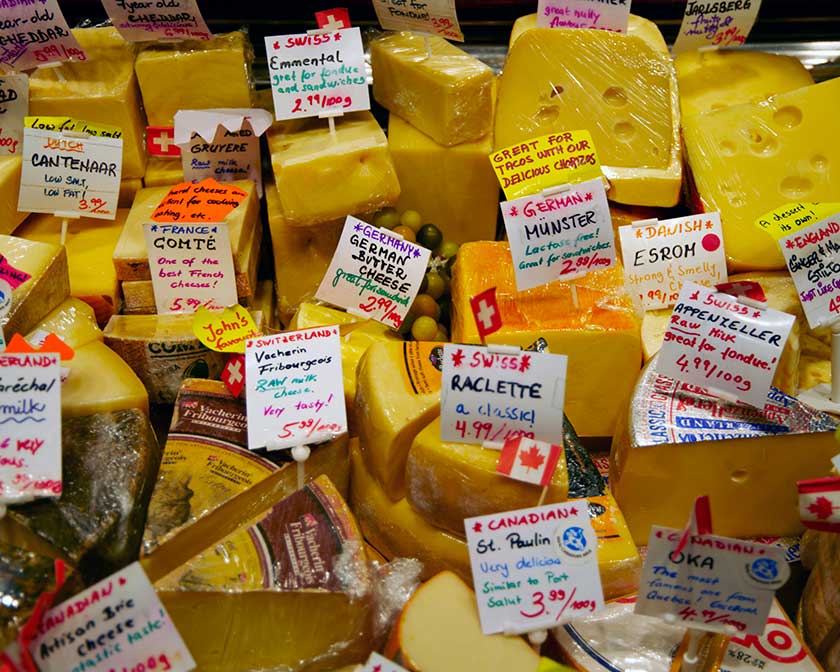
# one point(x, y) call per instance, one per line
point(14, 105)
point(191, 266)
point(595, 14)
point(435, 17)
point(319, 74)
point(534, 569)
point(728, 347)
point(422, 365)
point(660, 255)
point(374, 273)
point(710, 582)
point(36, 34)
point(147, 20)
point(561, 236)
point(118, 623)
point(488, 396)
point(716, 23)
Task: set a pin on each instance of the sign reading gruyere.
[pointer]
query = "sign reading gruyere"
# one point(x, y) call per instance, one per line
point(34, 34)
point(14, 104)
point(548, 161)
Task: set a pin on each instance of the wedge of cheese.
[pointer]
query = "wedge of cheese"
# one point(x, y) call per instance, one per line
point(199, 67)
point(748, 159)
point(743, 458)
point(102, 89)
point(48, 285)
point(618, 87)
point(89, 246)
point(351, 171)
point(163, 171)
point(439, 631)
point(597, 386)
point(131, 260)
point(435, 86)
point(453, 187)
point(10, 217)
point(73, 321)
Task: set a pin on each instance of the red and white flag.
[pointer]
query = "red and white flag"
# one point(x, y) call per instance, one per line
point(337, 18)
point(529, 460)
point(488, 317)
point(699, 522)
point(819, 503)
point(233, 375)
point(160, 141)
point(748, 288)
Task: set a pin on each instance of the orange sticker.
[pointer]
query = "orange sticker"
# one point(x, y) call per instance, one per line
point(207, 201)
point(52, 343)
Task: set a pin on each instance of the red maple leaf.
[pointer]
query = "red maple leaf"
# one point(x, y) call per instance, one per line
point(531, 458)
point(458, 357)
point(822, 508)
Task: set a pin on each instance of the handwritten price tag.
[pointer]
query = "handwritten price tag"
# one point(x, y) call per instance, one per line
point(317, 74)
point(534, 568)
point(14, 104)
point(437, 17)
point(30, 426)
point(722, 345)
point(660, 256)
point(180, 19)
point(374, 273)
point(35, 34)
point(717, 23)
point(714, 583)
point(584, 14)
point(121, 619)
point(295, 393)
point(559, 237)
point(489, 397)
point(191, 266)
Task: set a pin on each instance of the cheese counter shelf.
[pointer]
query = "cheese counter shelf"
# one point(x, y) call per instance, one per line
point(371, 554)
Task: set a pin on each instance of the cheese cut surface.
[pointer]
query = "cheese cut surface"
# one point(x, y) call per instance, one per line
point(10, 217)
point(439, 631)
point(618, 87)
point(351, 172)
point(48, 286)
point(678, 434)
point(199, 67)
point(163, 171)
point(597, 387)
point(447, 95)
point(101, 89)
point(453, 187)
point(73, 321)
point(748, 159)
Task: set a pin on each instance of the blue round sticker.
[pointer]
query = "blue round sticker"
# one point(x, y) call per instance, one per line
point(765, 569)
point(574, 539)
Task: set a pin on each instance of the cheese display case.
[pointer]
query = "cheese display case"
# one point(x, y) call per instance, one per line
point(352, 544)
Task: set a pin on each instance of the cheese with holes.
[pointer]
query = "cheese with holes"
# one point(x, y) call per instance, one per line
point(748, 159)
point(744, 458)
point(131, 260)
point(447, 95)
point(351, 171)
point(195, 75)
point(10, 169)
point(89, 246)
point(453, 187)
point(618, 87)
point(101, 89)
point(439, 631)
point(296, 589)
point(448, 482)
point(163, 171)
point(48, 285)
point(601, 338)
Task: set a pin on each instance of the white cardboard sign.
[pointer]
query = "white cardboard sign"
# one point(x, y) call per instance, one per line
point(147, 20)
point(14, 105)
point(595, 14)
point(437, 17)
point(34, 34)
point(716, 23)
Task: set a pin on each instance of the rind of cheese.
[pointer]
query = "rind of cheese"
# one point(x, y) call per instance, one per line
point(597, 385)
point(618, 87)
point(210, 74)
point(48, 286)
point(131, 259)
point(163, 171)
point(747, 159)
point(73, 321)
point(351, 171)
point(448, 482)
point(439, 631)
point(10, 216)
point(102, 88)
point(435, 86)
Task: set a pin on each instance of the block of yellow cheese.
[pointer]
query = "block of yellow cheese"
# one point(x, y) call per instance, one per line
point(73, 321)
point(163, 171)
point(10, 217)
point(48, 285)
point(452, 187)
point(618, 87)
point(128, 191)
point(448, 95)
point(601, 339)
point(678, 442)
point(448, 482)
point(211, 74)
point(748, 159)
point(351, 172)
point(102, 89)
point(131, 259)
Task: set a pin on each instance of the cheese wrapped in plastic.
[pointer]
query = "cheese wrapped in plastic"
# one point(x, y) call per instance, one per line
point(163, 171)
point(102, 88)
point(618, 87)
point(195, 75)
point(10, 217)
point(435, 86)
